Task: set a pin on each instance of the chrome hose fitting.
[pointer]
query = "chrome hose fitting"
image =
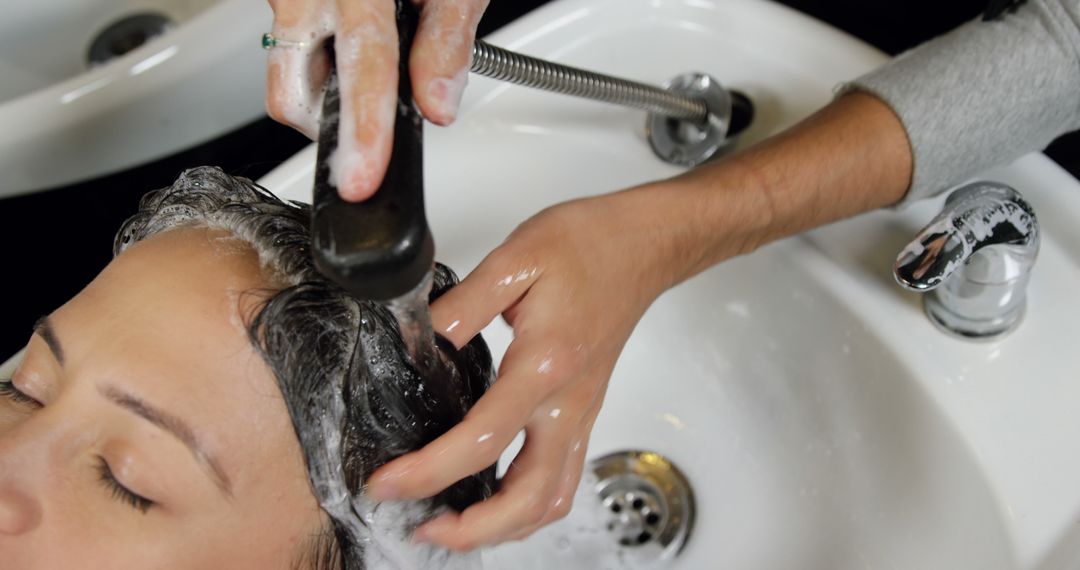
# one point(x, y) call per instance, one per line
point(690, 120)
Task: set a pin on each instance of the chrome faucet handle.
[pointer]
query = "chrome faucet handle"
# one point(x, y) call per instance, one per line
point(974, 258)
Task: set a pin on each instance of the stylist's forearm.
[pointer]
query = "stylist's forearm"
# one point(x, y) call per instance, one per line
point(852, 156)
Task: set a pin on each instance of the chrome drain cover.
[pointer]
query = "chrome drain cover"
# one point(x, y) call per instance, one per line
point(648, 502)
point(125, 35)
point(633, 510)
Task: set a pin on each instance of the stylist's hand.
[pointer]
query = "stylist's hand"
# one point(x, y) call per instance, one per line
point(573, 281)
point(365, 41)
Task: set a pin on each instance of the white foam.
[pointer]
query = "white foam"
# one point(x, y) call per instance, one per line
point(353, 163)
point(299, 91)
point(452, 90)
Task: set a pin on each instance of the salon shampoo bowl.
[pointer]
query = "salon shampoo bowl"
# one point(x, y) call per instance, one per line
point(821, 419)
point(65, 120)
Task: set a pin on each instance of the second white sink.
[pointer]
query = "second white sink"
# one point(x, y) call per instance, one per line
point(65, 121)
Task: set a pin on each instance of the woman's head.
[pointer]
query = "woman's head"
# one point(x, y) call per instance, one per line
point(168, 397)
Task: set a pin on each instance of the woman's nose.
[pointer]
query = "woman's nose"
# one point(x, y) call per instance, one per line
point(19, 513)
point(21, 464)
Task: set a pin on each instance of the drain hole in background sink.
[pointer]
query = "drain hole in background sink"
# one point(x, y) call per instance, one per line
point(125, 35)
point(648, 504)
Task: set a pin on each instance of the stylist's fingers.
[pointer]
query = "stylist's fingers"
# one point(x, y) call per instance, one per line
point(563, 498)
point(529, 377)
point(495, 286)
point(539, 484)
point(441, 55)
point(560, 504)
point(296, 72)
point(366, 52)
point(525, 499)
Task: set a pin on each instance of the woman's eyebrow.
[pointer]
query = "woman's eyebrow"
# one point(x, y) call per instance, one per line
point(43, 328)
point(173, 425)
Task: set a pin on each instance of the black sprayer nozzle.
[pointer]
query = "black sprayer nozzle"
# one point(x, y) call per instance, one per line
point(380, 248)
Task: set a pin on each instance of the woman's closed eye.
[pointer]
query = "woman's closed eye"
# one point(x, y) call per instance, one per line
point(14, 395)
point(119, 491)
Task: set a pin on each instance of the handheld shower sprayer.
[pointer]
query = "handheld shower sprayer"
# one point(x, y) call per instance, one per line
point(381, 248)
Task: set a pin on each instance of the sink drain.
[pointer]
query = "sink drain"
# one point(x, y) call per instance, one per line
point(633, 510)
point(648, 502)
point(125, 35)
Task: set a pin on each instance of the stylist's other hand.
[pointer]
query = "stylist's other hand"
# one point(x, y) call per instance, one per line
point(573, 281)
point(366, 46)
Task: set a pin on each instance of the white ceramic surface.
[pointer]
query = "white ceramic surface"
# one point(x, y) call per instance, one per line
point(824, 422)
point(64, 122)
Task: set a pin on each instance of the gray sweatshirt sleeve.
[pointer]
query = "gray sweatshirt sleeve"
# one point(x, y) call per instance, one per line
point(985, 93)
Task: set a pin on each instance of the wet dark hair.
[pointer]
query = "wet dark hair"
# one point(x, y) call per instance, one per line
point(317, 340)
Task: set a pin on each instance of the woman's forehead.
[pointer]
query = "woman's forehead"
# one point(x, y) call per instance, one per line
point(168, 319)
point(186, 293)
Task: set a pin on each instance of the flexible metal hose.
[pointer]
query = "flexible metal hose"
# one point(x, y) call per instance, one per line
point(504, 65)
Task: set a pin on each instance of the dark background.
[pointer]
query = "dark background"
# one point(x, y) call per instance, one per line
point(56, 241)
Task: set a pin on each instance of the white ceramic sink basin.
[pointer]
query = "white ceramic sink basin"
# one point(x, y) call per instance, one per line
point(807, 441)
point(66, 121)
point(822, 420)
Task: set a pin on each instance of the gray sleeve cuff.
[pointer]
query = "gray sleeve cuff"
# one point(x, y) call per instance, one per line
point(985, 93)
